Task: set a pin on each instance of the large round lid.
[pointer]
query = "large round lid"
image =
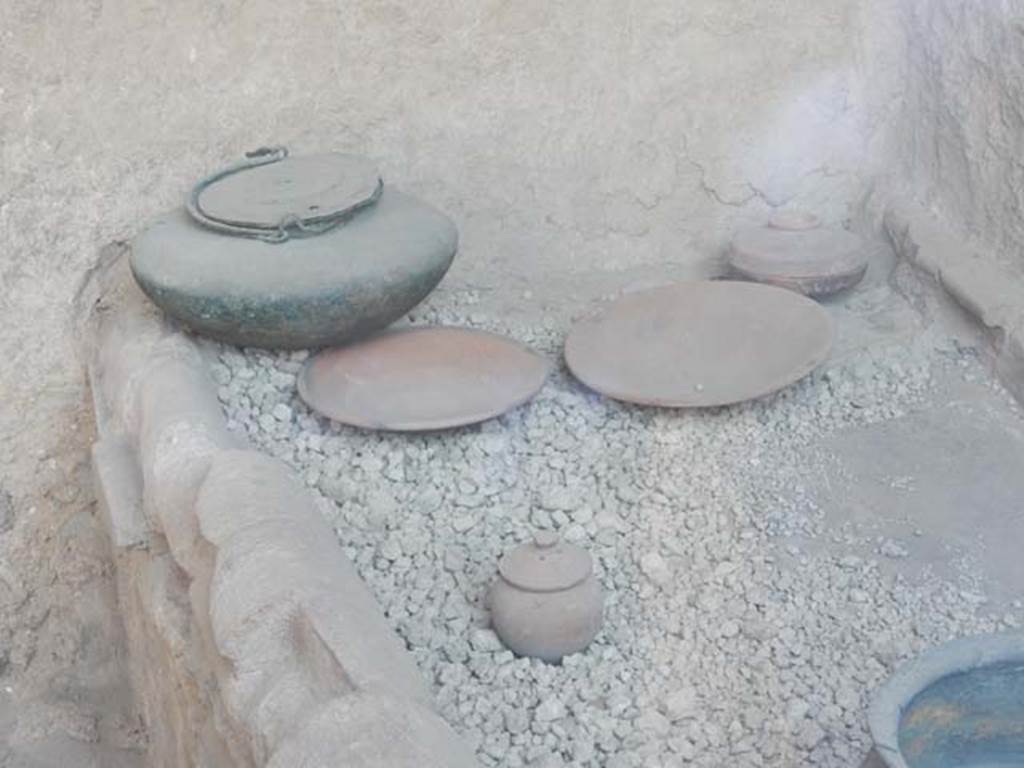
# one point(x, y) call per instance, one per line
point(422, 379)
point(545, 564)
point(700, 344)
point(271, 192)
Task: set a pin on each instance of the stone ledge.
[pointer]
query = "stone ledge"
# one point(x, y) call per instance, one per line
point(990, 292)
point(253, 640)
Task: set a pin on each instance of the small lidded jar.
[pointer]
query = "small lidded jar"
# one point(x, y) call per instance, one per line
point(546, 602)
point(795, 251)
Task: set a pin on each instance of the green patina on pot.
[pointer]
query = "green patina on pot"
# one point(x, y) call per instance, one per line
point(960, 705)
point(291, 254)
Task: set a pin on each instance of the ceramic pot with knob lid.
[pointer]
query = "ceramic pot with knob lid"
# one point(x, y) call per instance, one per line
point(793, 250)
point(546, 602)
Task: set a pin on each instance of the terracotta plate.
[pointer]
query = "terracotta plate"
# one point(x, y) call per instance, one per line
point(700, 344)
point(422, 379)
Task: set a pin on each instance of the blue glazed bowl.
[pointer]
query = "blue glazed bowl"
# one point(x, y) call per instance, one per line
point(960, 705)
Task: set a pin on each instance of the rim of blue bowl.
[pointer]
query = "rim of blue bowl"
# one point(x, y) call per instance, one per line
point(963, 655)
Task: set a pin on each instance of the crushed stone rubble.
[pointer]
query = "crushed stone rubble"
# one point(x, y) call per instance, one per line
point(724, 642)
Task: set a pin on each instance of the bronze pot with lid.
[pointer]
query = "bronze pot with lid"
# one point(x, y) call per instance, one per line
point(293, 252)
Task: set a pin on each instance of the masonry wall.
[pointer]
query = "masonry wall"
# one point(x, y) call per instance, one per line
point(252, 639)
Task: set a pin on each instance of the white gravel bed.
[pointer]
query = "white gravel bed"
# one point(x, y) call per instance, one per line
point(724, 644)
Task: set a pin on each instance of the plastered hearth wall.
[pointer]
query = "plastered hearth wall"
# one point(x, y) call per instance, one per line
point(577, 134)
point(562, 135)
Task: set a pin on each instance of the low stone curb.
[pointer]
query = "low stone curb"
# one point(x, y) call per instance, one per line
point(253, 640)
point(990, 292)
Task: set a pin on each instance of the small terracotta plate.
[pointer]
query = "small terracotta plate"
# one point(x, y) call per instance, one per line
point(422, 379)
point(700, 344)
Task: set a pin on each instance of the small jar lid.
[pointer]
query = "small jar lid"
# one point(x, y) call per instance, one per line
point(546, 564)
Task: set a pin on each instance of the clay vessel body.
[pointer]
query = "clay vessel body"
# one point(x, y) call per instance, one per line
point(550, 614)
point(795, 252)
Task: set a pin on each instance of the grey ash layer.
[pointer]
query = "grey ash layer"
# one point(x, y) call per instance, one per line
point(740, 629)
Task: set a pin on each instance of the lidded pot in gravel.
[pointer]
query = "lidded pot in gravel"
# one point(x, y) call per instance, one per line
point(546, 602)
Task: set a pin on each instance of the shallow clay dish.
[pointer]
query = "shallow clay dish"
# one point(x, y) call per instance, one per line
point(700, 344)
point(422, 379)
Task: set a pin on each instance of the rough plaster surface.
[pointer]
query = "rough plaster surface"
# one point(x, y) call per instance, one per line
point(958, 138)
point(991, 292)
point(576, 134)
